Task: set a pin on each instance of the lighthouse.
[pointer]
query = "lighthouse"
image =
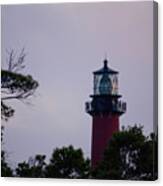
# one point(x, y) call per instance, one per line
point(105, 108)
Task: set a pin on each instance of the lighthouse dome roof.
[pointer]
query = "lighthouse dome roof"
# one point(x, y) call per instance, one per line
point(105, 69)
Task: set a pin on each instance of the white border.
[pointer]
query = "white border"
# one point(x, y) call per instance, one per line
point(57, 182)
point(55, 1)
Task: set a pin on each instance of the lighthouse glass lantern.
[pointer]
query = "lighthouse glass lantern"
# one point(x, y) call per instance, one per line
point(105, 81)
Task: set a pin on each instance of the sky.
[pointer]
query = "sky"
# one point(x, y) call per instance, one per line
point(65, 43)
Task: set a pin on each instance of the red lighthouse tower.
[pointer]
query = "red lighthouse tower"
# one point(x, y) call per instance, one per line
point(105, 108)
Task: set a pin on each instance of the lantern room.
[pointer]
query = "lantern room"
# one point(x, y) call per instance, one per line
point(105, 81)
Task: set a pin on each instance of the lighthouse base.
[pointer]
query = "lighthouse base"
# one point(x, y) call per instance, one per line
point(103, 128)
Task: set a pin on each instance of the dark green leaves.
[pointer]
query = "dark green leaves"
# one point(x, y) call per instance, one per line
point(130, 156)
point(15, 85)
point(67, 163)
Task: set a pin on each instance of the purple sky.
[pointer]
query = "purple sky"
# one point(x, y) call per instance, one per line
point(64, 44)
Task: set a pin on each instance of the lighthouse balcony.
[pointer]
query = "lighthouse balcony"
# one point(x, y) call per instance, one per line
point(118, 107)
point(88, 107)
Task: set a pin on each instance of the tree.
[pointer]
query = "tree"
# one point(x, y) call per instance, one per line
point(67, 162)
point(6, 171)
point(15, 85)
point(130, 155)
point(34, 168)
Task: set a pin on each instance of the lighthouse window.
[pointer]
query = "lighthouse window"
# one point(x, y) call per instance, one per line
point(115, 84)
point(97, 79)
point(105, 84)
